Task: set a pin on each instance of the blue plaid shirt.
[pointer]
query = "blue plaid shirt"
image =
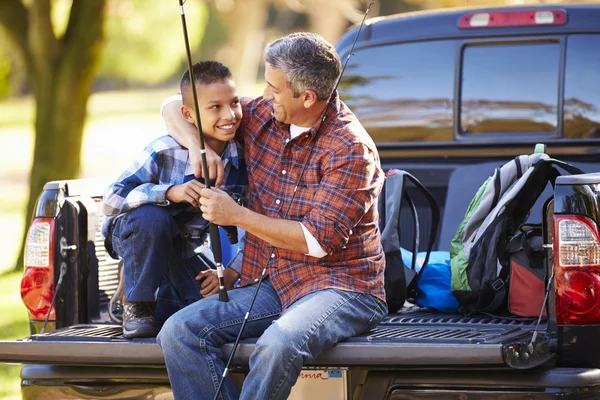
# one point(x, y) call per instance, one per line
point(162, 164)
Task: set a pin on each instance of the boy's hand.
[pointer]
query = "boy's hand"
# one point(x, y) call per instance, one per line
point(214, 162)
point(189, 191)
point(210, 284)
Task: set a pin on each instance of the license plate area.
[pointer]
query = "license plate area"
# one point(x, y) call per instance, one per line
point(317, 384)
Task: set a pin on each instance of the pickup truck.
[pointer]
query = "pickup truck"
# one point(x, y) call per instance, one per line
point(447, 95)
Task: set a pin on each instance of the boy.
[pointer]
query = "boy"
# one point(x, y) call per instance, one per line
point(153, 212)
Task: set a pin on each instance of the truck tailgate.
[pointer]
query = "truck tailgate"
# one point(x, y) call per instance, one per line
point(412, 337)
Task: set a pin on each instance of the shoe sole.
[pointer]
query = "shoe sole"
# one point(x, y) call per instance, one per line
point(140, 332)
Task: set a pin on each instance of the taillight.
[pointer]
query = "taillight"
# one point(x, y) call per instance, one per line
point(577, 270)
point(512, 18)
point(37, 284)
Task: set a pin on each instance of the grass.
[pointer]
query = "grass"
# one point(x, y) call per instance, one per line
point(14, 324)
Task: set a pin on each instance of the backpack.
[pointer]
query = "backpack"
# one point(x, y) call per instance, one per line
point(400, 280)
point(478, 254)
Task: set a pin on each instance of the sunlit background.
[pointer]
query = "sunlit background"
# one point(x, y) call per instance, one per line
point(140, 63)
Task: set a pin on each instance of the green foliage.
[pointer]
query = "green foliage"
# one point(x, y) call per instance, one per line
point(144, 40)
point(4, 71)
point(5, 67)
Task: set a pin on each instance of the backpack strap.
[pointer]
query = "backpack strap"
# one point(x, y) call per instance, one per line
point(435, 221)
point(573, 170)
point(382, 210)
point(416, 230)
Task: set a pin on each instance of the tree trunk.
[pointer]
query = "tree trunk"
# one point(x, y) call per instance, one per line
point(60, 71)
point(245, 23)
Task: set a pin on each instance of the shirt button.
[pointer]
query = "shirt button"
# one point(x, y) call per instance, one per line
point(256, 280)
point(283, 172)
point(272, 255)
point(351, 231)
point(287, 140)
point(277, 201)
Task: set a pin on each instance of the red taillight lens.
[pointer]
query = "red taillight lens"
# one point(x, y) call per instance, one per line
point(37, 284)
point(512, 18)
point(577, 270)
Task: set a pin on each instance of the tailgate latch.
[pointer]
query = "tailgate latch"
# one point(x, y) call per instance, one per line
point(526, 354)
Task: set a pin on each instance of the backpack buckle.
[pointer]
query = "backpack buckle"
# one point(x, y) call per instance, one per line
point(497, 284)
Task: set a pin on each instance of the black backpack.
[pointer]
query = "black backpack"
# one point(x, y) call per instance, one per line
point(400, 280)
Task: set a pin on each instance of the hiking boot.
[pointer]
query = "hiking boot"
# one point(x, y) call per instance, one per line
point(138, 320)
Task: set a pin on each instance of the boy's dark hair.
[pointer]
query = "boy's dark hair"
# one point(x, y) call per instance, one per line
point(205, 73)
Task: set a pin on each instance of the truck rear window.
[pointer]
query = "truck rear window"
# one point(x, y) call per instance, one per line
point(582, 87)
point(509, 88)
point(403, 92)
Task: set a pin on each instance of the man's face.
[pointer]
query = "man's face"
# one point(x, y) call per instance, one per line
point(220, 110)
point(286, 107)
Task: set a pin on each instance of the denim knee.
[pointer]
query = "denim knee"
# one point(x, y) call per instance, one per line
point(274, 344)
point(171, 333)
point(150, 218)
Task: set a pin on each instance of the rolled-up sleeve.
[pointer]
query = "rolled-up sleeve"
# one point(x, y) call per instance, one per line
point(350, 185)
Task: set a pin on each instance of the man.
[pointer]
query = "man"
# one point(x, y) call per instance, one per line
point(325, 273)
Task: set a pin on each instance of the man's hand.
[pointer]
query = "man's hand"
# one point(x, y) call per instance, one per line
point(219, 208)
point(189, 191)
point(186, 134)
point(210, 281)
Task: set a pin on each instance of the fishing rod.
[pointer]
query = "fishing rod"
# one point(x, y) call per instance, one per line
point(272, 248)
point(213, 229)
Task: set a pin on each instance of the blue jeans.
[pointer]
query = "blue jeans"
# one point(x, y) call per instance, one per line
point(148, 241)
point(191, 338)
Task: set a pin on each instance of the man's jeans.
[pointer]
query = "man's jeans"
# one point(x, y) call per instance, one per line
point(148, 241)
point(191, 338)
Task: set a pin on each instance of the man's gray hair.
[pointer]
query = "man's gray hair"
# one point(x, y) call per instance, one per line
point(308, 61)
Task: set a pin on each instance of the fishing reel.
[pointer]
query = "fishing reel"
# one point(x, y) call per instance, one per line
point(232, 233)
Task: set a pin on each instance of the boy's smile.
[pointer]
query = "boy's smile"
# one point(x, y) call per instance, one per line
point(220, 112)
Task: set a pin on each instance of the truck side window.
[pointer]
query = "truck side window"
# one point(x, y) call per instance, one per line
point(509, 88)
point(402, 92)
point(582, 87)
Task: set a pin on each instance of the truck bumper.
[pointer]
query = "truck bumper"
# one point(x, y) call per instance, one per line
point(535, 384)
point(53, 382)
point(65, 382)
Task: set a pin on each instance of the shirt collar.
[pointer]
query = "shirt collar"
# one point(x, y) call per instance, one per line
point(231, 154)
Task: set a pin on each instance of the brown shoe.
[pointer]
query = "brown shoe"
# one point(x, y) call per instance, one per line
point(138, 320)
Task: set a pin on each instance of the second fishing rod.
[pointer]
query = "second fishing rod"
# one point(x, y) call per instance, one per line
point(272, 248)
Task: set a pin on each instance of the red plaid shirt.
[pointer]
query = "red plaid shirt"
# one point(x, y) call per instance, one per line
point(336, 202)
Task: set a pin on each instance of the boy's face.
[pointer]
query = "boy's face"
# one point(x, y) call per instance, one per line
point(220, 110)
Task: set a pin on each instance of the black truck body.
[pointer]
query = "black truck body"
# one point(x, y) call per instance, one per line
point(425, 88)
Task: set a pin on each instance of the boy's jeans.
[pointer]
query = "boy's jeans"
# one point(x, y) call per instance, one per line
point(191, 338)
point(148, 241)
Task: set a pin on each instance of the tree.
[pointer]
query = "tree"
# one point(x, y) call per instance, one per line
point(144, 41)
point(60, 70)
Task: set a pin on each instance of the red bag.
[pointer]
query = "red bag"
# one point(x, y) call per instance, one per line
point(527, 276)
